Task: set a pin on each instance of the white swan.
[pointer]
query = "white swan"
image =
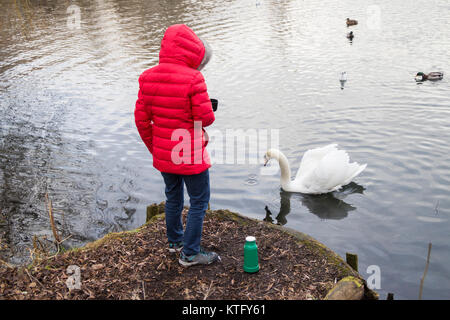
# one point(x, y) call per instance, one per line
point(322, 170)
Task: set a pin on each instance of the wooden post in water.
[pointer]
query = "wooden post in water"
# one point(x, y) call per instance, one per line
point(352, 260)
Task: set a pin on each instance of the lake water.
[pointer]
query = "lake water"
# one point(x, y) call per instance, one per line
point(68, 84)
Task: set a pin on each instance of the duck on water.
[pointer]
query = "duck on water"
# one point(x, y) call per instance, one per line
point(351, 22)
point(432, 76)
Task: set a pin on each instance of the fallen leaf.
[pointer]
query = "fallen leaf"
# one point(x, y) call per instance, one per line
point(97, 266)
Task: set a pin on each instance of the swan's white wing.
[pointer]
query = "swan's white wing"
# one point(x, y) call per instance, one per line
point(354, 169)
point(332, 172)
point(312, 158)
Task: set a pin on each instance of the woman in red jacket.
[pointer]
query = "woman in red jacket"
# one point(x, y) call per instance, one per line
point(172, 108)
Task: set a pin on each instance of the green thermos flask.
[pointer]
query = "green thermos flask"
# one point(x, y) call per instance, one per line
point(250, 255)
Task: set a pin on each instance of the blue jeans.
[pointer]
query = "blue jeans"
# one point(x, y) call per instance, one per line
point(197, 186)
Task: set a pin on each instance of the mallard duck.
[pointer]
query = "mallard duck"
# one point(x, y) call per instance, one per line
point(432, 76)
point(350, 35)
point(351, 22)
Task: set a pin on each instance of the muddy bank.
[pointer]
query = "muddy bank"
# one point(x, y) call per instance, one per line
point(136, 265)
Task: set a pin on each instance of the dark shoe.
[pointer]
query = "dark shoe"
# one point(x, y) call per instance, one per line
point(175, 246)
point(203, 257)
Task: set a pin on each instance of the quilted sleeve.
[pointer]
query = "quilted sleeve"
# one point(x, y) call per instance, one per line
point(200, 102)
point(143, 119)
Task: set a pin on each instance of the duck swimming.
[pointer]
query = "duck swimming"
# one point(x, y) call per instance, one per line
point(351, 22)
point(350, 35)
point(432, 76)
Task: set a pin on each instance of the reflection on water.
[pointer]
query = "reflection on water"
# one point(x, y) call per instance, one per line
point(325, 206)
point(66, 120)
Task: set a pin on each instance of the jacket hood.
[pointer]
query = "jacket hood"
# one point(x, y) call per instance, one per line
point(181, 45)
point(207, 56)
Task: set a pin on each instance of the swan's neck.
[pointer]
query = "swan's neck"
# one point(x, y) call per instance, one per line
point(285, 169)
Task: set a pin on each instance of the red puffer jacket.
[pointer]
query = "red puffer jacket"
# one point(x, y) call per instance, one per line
point(172, 95)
